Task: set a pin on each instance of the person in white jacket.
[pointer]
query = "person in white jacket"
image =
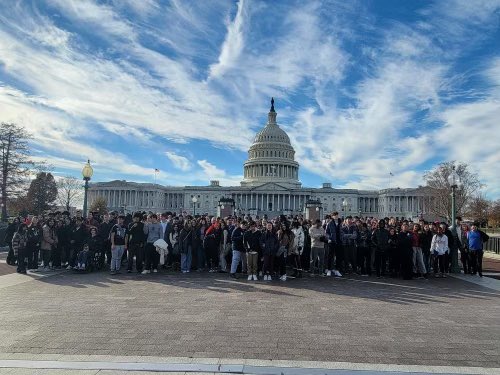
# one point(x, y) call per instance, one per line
point(297, 248)
point(439, 247)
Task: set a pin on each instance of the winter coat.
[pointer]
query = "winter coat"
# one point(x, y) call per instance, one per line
point(269, 243)
point(251, 241)
point(316, 234)
point(380, 239)
point(333, 231)
point(19, 242)
point(298, 241)
point(186, 240)
point(49, 239)
point(439, 244)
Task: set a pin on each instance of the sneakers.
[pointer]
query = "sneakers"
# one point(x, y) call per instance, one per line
point(69, 268)
point(155, 271)
point(337, 273)
point(129, 271)
point(267, 278)
point(145, 272)
point(83, 266)
point(283, 278)
point(79, 266)
point(255, 278)
point(328, 273)
point(250, 277)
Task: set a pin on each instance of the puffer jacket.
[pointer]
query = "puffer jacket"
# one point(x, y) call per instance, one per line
point(19, 241)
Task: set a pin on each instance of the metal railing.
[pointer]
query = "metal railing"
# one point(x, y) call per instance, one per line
point(493, 244)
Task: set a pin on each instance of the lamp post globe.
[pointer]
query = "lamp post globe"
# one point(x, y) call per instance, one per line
point(87, 173)
point(454, 181)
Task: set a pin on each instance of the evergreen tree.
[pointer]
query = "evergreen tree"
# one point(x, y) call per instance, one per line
point(42, 192)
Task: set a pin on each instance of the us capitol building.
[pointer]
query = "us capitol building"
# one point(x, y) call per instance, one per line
point(270, 187)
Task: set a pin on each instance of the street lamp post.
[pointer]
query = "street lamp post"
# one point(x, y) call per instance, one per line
point(194, 200)
point(454, 180)
point(87, 173)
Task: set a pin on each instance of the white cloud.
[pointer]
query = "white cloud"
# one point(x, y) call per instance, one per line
point(212, 172)
point(178, 161)
point(233, 44)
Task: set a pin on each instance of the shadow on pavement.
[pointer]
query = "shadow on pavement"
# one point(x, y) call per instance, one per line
point(386, 289)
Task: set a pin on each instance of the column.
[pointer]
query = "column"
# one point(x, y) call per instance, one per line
point(278, 203)
point(267, 202)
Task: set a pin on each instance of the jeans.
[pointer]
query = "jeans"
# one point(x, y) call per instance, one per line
point(364, 260)
point(135, 249)
point(439, 263)
point(200, 256)
point(186, 259)
point(32, 253)
point(252, 262)
point(267, 267)
point(317, 254)
point(427, 261)
point(83, 257)
point(476, 261)
point(380, 262)
point(21, 255)
point(46, 256)
point(282, 263)
point(418, 261)
point(237, 258)
point(152, 257)
point(223, 251)
point(116, 257)
point(333, 250)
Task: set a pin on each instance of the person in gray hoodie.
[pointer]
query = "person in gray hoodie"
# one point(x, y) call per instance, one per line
point(153, 232)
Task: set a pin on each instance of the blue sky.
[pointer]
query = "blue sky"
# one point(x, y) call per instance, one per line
point(363, 88)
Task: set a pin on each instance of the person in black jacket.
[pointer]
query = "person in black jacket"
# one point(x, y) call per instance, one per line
point(186, 246)
point(34, 235)
point(269, 244)
point(79, 236)
point(237, 247)
point(406, 251)
point(136, 241)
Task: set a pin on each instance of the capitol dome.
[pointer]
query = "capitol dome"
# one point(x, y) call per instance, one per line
point(271, 157)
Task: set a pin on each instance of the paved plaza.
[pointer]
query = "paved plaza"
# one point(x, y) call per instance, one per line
point(439, 322)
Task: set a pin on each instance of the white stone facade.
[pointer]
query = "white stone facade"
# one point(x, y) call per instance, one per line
point(270, 187)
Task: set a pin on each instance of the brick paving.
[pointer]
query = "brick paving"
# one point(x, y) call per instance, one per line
point(436, 322)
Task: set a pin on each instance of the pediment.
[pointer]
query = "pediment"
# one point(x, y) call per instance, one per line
point(271, 186)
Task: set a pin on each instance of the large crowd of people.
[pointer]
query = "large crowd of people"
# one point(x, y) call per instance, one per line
point(259, 248)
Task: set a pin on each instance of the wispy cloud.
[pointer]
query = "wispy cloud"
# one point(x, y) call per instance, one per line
point(178, 161)
point(233, 44)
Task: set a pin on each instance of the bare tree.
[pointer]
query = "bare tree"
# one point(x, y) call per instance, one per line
point(99, 205)
point(439, 187)
point(69, 191)
point(15, 162)
point(494, 214)
point(478, 209)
